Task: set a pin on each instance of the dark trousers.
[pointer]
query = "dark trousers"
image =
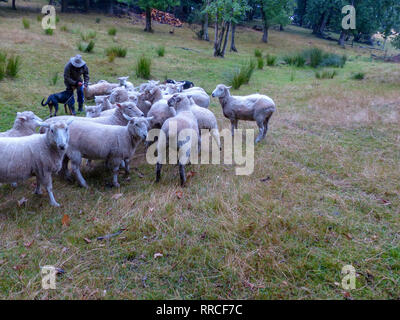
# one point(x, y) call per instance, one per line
point(81, 99)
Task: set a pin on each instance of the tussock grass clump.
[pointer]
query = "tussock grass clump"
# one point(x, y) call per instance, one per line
point(358, 76)
point(48, 32)
point(334, 61)
point(86, 47)
point(112, 31)
point(271, 60)
point(54, 79)
point(117, 51)
point(98, 20)
point(143, 67)
point(257, 53)
point(3, 58)
point(39, 18)
point(260, 63)
point(293, 75)
point(326, 74)
point(64, 29)
point(315, 56)
point(296, 60)
point(88, 35)
point(161, 51)
point(241, 75)
point(26, 23)
point(13, 66)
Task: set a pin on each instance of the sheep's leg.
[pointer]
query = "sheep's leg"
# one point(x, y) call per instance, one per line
point(75, 165)
point(158, 172)
point(182, 174)
point(38, 189)
point(48, 184)
point(266, 125)
point(127, 167)
point(64, 172)
point(261, 131)
point(215, 135)
point(234, 125)
point(115, 164)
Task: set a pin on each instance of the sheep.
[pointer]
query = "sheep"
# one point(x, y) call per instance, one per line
point(185, 135)
point(35, 155)
point(198, 94)
point(124, 83)
point(255, 107)
point(98, 89)
point(25, 124)
point(119, 95)
point(103, 102)
point(116, 144)
point(117, 118)
point(143, 104)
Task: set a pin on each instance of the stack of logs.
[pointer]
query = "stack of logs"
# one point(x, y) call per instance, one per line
point(164, 17)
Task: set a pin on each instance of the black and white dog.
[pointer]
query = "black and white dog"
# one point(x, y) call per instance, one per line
point(186, 84)
point(61, 97)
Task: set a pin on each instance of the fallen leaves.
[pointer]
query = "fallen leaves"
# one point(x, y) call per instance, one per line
point(117, 196)
point(87, 240)
point(348, 236)
point(179, 194)
point(22, 202)
point(157, 255)
point(384, 202)
point(190, 174)
point(66, 220)
point(29, 244)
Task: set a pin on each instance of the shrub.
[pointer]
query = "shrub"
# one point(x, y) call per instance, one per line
point(88, 35)
point(325, 74)
point(257, 53)
point(260, 63)
point(3, 58)
point(333, 60)
point(315, 56)
point(98, 20)
point(358, 76)
point(271, 60)
point(54, 79)
point(39, 18)
point(296, 60)
point(117, 51)
point(26, 23)
point(241, 75)
point(111, 57)
point(57, 19)
point(64, 29)
point(161, 51)
point(112, 31)
point(143, 67)
point(86, 47)
point(48, 32)
point(13, 66)
point(292, 75)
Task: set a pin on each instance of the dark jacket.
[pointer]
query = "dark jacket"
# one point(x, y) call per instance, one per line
point(73, 75)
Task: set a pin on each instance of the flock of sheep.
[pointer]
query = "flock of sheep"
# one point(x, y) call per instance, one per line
point(116, 125)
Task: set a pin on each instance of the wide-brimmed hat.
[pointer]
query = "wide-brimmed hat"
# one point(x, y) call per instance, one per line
point(77, 61)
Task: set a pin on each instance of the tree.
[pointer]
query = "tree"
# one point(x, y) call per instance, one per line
point(13, 5)
point(225, 12)
point(274, 12)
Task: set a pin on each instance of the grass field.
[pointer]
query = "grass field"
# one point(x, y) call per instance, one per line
point(332, 154)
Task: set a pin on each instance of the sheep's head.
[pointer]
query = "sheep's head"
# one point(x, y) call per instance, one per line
point(178, 100)
point(138, 126)
point(122, 81)
point(58, 133)
point(99, 99)
point(93, 111)
point(220, 91)
point(28, 119)
point(129, 109)
point(119, 95)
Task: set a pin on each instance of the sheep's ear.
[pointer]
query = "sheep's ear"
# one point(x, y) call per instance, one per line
point(21, 117)
point(149, 118)
point(189, 96)
point(127, 117)
point(119, 105)
point(69, 121)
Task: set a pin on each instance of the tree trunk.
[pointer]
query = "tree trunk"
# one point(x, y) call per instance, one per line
point(342, 38)
point(13, 5)
point(148, 20)
point(218, 44)
point(63, 5)
point(281, 27)
point(87, 5)
point(206, 37)
point(233, 47)
point(226, 39)
point(265, 34)
point(265, 26)
point(111, 7)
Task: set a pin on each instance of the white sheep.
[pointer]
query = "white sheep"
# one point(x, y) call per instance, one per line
point(185, 135)
point(35, 155)
point(114, 144)
point(99, 89)
point(25, 124)
point(126, 84)
point(119, 95)
point(255, 107)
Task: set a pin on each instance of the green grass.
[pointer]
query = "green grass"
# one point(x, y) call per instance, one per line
point(112, 31)
point(87, 36)
point(160, 51)
point(260, 63)
point(358, 76)
point(54, 79)
point(26, 23)
point(326, 74)
point(116, 52)
point(241, 75)
point(13, 66)
point(48, 32)
point(332, 197)
point(86, 47)
point(271, 60)
point(257, 53)
point(143, 67)
point(296, 60)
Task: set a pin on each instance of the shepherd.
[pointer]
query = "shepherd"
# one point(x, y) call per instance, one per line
point(73, 72)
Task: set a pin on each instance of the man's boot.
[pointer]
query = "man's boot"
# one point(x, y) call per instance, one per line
point(80, 107)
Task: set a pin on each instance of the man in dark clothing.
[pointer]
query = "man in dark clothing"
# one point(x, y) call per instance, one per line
point(73, 71)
